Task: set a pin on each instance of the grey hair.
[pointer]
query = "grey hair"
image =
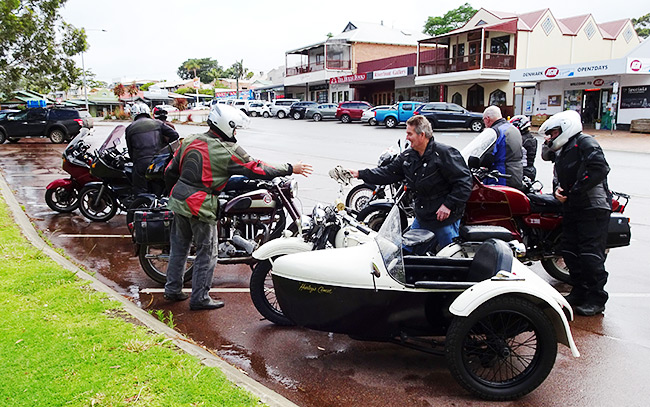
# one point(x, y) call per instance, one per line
point(492, 112)
point(421, 125)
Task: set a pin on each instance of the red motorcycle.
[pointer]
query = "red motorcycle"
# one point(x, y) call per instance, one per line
point(62, 195)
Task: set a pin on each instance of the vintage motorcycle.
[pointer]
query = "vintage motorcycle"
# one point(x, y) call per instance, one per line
point(501, 322)
point(62, 195)
point(251, 212)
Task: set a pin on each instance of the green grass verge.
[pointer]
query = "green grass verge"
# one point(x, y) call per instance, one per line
point(64, 344)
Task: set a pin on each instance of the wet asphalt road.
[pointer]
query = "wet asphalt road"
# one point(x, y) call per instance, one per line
point(320, 369)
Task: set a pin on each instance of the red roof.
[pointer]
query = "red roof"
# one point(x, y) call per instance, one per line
point(531, 19)
point(574, 24)
point(612, 29)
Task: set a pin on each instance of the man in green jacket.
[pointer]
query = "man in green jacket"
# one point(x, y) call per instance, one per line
point(199, 170)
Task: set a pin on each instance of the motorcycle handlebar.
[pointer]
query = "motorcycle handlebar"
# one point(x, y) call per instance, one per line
point(350, 220)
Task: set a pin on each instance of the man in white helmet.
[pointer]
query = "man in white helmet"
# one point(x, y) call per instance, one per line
point(581, 185)
point(199, 170)
point(144, 138)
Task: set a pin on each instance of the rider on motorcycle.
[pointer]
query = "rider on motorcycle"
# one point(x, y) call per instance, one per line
point(507, 150)
point(529, 143)
point(199, 170)
point(436, 173)
point(144, 138)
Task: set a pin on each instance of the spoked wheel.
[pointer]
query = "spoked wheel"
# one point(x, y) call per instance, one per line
point(263, 294)
point(62, 199)
point(359, 196)
point(97, 210)
point(374, 219)
point(155, 258)
point(503, 350)
point(556, 268)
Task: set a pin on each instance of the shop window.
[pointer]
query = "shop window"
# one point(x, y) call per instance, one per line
point(457, 98)
point(498, 98)
point(500, 45)
point(475, 98)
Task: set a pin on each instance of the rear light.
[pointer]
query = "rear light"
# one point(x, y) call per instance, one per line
point(374, 114)
point(80, 122)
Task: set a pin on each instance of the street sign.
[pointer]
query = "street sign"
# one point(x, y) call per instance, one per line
point(615, 87)
point(197, 83)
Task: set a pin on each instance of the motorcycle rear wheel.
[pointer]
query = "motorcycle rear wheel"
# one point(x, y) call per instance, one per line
point(102, 211)
point(557, 269)
point(359, 196)
point(503, 350)
point(154, 260)
point(263, 294)
point(62, 199)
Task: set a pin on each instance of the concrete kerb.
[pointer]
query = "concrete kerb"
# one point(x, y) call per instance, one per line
point(233, 374)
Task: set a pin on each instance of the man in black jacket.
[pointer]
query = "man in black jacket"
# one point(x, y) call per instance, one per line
point(144, 138)
point(529, 144)
point(581, 185)
point(436, 173)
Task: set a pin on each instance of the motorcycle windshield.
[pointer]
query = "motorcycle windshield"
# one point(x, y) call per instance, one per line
point(113, 139)
point(389, 240)
point(480, 145)
point(73, 143)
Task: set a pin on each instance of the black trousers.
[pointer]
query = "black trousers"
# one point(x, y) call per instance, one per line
point(583, 248)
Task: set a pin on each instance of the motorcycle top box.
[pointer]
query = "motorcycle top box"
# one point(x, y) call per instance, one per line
point(500, 321)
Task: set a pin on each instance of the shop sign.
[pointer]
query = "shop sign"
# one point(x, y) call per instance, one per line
point(638, 65)
point(390, 73)
point(598, 82)
point(635, 97)
point(551, 72)
point(348, 78)
point(582, 70)
point(225, 94)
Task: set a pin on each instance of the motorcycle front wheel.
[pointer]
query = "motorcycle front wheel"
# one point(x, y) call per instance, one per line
point(263, 294)
point(154, 260)
point(97, 210)
point(359, 196)
point(503, 350)
point(62, 199)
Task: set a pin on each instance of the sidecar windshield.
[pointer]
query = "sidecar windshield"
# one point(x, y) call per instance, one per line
point(389, 240)
point(480, 145)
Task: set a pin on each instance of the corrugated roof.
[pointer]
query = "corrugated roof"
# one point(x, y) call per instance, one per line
point(612, 29)
point(574, 24)
point(357, 31)
point(528, 21)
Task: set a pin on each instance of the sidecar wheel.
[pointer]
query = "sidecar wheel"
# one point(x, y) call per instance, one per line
point(503, 350)
point(263, 294)
point(154, 261)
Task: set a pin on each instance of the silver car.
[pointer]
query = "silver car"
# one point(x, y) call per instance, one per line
point(368, 116)
point(321, 111)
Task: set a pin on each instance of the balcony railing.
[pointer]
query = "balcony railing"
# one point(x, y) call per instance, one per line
point(318, 66)
point(466, 63)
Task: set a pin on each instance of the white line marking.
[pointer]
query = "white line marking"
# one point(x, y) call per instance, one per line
point(189, 290)
point(118, 236)
point(630, 295)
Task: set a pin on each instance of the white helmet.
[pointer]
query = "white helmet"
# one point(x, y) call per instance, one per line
point(225, 120)
point(569, 124)
point(140, 108)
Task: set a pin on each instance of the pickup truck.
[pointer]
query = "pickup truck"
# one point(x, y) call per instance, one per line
point(59, 124)
point(396, 114)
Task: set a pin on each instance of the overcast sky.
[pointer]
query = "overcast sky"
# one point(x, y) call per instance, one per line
point(148, 39)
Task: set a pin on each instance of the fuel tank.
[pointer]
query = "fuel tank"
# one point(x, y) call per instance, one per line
point(258, 201)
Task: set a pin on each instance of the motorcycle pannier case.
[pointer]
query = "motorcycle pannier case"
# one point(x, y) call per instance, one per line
point(152, 227)
point(618, 233)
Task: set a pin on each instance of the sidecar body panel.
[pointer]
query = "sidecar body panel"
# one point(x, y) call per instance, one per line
point(282, 246)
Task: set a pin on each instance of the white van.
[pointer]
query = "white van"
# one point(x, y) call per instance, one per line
point(280, 107)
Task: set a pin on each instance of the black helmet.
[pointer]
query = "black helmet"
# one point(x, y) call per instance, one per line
point(159, 113)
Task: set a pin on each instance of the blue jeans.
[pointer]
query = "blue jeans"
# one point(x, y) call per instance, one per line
point(184, 231)
point(444, 234)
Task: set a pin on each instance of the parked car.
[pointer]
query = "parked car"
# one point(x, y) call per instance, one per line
point(200, 107)
point(59, 124)
point(448, 115)
point(297, 110)
point(348, 111)
point(280, 107)
point(259, 108)
point(321, 111)
point(396, 114)
point(169, 108)
point(87, 118)
point(368, 116)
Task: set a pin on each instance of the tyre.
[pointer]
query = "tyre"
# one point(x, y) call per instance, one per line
point(13, 139)
point(390, 122)
point(57, 136)
point(154, 261)
point(345, 118)
point(296, 115)
point(476, 125)
point(266, 115)
point(317, 117)
point(253, 114)
point(556, 268)
point(62, 199)
point(503, 350)
point(281, 114)
point(142, 202)
point(374, 218)
point(372, 122)
point(3, 137)
point(359, 196)
point(97, 210)
point(263, 294)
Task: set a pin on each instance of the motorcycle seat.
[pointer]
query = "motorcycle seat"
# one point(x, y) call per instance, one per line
point(491, 257)
point(413, 237)
point(481, 233)
point(544, 203)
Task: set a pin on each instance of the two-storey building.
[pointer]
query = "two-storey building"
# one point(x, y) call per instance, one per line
point(475, 66)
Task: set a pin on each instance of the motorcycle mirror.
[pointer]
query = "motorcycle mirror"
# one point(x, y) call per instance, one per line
point(473, 162)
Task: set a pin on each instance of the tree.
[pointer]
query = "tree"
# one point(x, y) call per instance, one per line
point(207, 69)
point(451, 20)
point(237, 72)
point(146, 86)
point(37, 46)
point(119, 90)
point(132, 89)
point(180, 104)
point(642, 25)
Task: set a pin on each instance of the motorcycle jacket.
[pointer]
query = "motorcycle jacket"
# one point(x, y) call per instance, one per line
point(513, 154)
point(145, 137)
point(201, 168)
point(529, 143)
point(440, 176)
point(581, 171)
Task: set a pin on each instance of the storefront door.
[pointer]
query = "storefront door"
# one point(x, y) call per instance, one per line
point(590, 106)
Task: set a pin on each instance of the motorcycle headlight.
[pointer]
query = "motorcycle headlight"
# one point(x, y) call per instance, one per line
point(318, 214)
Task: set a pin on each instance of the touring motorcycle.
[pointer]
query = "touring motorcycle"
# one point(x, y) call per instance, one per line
point(496, 322)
